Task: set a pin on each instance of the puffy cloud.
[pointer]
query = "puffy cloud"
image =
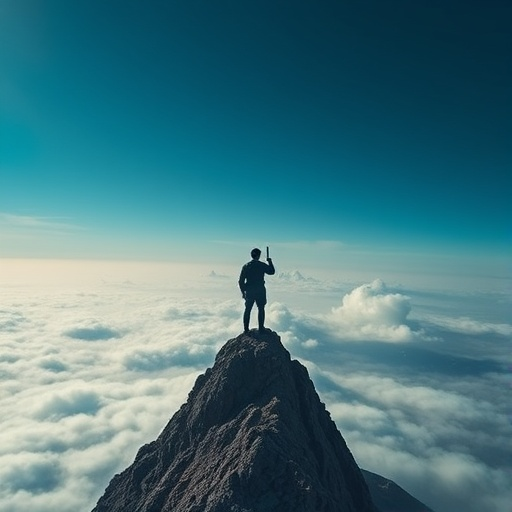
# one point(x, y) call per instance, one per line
point(31, 473)
point(154, 360)
point(310, 343)
point(53, 365)
point(11, 321)
point(371, 312)
point(467, 325)
point(280, 316)
point(444, 480)
point(93, 333)
point(297, 331)
point(424, 437)
point(69, 403)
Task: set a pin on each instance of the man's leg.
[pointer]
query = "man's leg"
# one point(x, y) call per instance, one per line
point(261, 317)
point(249, 302)
point(261, 300)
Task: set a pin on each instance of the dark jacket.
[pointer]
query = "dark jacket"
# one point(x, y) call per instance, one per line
point(253, 273)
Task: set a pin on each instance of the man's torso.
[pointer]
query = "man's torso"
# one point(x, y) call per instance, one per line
point(254, 273)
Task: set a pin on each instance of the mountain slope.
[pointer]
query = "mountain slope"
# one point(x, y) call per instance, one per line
point(253, 436)
point(389, 497)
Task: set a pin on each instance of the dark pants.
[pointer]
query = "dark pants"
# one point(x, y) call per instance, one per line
point(252, 295)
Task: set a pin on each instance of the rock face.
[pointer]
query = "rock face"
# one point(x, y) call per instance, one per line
point(253, 436)
point(389, 497)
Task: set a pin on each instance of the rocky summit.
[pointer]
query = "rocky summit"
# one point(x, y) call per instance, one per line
point(253, 436)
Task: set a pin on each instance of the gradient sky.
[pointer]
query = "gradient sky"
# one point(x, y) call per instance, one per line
point(150, 129)
point(364, 139)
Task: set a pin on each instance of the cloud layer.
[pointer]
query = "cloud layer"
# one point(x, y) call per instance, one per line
point(88, 375)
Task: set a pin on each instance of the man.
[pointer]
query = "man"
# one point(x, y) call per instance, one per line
point(252, 286)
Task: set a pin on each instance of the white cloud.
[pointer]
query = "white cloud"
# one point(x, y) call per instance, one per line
point(94, 332)
point(11, 320)
point(470, 326)
point(425, 438)
point(89, 374)
point(68, 403)
point(371, 312)
point(31, 473)
point(310, 343)
point(444, 480)
point(195, 355)
point(33, 222)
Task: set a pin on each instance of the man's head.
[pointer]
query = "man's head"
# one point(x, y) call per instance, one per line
point(255, 254)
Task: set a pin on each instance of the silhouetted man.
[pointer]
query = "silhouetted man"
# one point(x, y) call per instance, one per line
point(252, 286)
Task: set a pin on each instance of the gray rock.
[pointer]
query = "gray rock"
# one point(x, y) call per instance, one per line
point(389, 497)
point(253, 436)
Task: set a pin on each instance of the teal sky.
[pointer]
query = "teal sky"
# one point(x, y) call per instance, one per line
point(150, 129)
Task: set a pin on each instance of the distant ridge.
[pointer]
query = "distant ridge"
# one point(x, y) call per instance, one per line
point(253, 436)
point(294, 276)
point(389, 497)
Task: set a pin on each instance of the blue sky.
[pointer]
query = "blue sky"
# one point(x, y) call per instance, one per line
point(362, 139)
point(151, 130)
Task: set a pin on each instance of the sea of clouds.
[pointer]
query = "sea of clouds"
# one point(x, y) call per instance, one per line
point(418, 381)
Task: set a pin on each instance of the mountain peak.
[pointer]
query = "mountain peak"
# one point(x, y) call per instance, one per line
point(253, 436)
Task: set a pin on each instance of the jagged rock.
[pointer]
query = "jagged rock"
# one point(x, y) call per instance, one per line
point(253, 436)
point(390, 497)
